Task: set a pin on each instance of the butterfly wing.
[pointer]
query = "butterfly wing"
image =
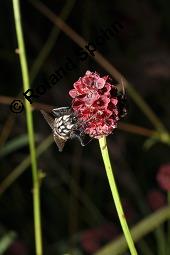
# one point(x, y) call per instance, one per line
point(59, 141)
point(48, 118)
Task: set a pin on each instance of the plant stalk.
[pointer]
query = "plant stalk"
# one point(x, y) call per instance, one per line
point(115, 194)
point(30, 128)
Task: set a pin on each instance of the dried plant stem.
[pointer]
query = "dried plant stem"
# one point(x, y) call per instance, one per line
point(29, 118)
point(49, 44)
point(115, 194)
point(99, 58)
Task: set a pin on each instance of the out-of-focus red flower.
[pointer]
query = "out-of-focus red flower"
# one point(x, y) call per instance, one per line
point(97, 103)
point(93, 239)
point(163, 177)
point(156, 199)
point(90, 240)
point(17, 248)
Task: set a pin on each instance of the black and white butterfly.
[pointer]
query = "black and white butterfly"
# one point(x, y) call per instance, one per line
point(64, 125)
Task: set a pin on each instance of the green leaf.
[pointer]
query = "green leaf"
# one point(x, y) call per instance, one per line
point(14, 144)
point(6, 241)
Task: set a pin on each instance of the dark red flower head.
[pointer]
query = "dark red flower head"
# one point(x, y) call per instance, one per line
point(156, 199)
point(97, 103)
point(163, 177)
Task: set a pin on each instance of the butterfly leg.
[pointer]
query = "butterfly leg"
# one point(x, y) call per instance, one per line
point(77, 136)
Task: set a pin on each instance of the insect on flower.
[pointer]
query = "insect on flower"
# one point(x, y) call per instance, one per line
point(97, 106)
point(65, 125)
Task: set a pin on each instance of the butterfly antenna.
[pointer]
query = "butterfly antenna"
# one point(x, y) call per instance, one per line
point(84, 144)
point(123, 86)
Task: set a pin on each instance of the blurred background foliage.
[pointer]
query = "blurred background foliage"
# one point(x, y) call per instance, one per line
point(78, 216)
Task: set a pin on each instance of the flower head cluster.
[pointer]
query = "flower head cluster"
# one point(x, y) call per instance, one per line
point(163, 177)
point(97, 103)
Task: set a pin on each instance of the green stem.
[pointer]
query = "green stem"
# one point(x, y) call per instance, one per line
point(29, 118)
point(115, 194)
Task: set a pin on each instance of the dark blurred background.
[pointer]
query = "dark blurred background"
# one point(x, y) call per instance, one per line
point(78, 215)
